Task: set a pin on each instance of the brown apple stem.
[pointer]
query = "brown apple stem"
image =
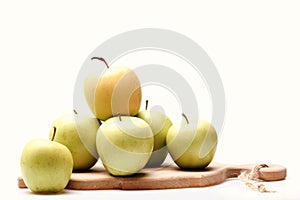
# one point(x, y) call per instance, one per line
point(120, 117)
point(146, 104)
point(102, 59)
point(99, 121)
point(75, 112)
point(54, 132)
point(186, 119)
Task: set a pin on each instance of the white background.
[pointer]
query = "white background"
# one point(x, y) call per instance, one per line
point(255, 46)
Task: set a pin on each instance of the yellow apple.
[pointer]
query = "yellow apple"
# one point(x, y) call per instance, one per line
point(124, 144)
point(117, 91)
point(46, 166)
point(78, 133)
point(192, 145)
point(160, 124)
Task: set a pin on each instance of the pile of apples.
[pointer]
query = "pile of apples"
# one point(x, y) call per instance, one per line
point(125, 138)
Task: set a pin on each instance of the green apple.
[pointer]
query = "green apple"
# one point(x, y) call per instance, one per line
point(117, 91)
point(192, 145)
point(124, 145)
point(46, 166)
point(159, 124)
point(78, 133)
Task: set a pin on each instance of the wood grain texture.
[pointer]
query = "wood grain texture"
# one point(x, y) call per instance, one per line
point(167, 177)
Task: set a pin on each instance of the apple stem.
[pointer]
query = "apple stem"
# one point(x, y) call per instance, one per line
point(186, 119)
point(120, 117)
point(75, 112)
point(99, 121)
point(146, 104)
point(54, 132)
point(102, 59)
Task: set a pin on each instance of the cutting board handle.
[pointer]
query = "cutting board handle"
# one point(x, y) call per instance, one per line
point(271, 173)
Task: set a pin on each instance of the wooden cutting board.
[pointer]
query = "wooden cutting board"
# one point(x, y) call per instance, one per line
point(166, 177)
